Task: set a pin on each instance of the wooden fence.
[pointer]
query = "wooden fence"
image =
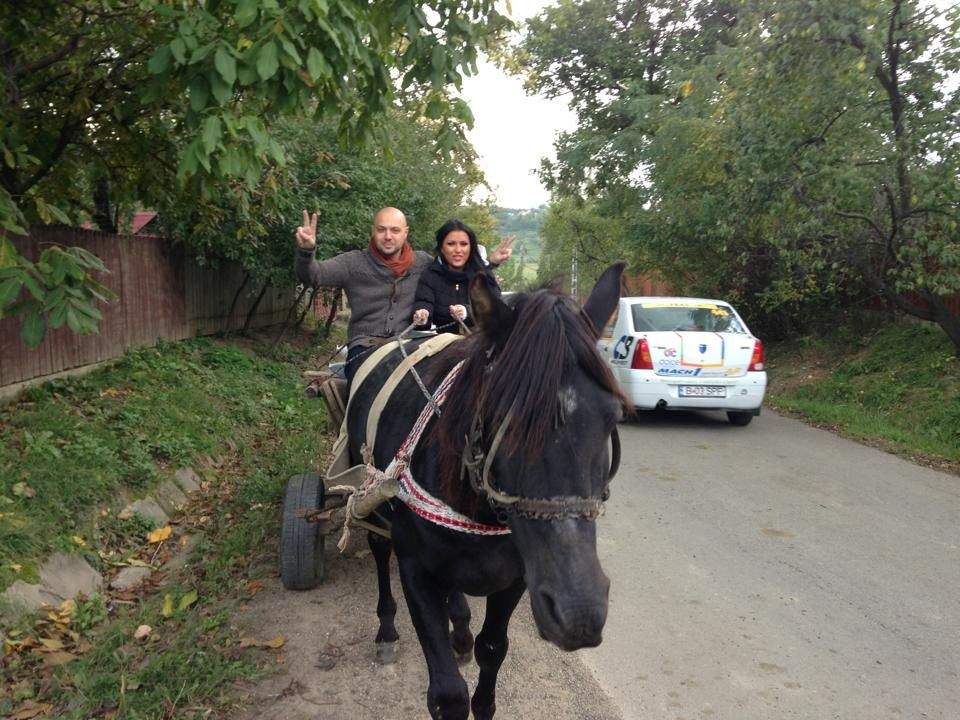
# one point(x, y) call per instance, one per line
point(161, 295)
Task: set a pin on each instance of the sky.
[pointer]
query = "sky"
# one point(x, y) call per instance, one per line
point(512, 131)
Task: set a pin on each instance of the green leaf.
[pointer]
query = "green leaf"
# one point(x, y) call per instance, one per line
point(247, 75)
point(226, 65)
point(317, 65)
point(211, 133)
point(267, 63)
point(199, 93)
point(34, 287)
point(8, 253)
point(291, 50)
point(33, 327)
point(9, 291)
point(188, 599)
point(201, 53)
point(179, 50)
point(160, 60)
point(221, 91)
point(72, 321)
point(246, 12)
point(58, 315)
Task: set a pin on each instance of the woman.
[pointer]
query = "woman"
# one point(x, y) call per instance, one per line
point(442, 293)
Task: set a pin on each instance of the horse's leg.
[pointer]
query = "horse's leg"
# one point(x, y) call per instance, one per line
point(462, 639)
point(386, 606)
point(447, 694)
point(491, 648)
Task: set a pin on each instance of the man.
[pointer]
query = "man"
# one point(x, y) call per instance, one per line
point(380, 281)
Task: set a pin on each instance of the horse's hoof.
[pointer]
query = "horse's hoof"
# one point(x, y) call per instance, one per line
point(464, 657)
point(387, 652)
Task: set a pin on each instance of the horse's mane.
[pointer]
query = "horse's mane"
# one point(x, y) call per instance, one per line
point(550, 334)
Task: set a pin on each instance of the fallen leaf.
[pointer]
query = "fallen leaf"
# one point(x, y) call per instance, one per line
point(254, 586)
point(187, 600)
point(16, 567)
point(160, 534)
point(30, 709)
point(60, 657)
point(133, 684)
point(167, 610)
point(77, 540)
point(142, 632)
point(51, 644)
point(275, 643)
point(21, 489)
point(137, 563)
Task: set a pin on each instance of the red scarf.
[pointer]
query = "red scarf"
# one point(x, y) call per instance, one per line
point(398, 263)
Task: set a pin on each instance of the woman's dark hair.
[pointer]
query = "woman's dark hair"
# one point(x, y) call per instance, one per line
point(452, 226)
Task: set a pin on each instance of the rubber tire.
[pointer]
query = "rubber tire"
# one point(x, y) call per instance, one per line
point(739, 418)
point(301, 545)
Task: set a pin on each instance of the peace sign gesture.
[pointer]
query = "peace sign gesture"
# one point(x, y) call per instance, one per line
point(307, 233)
point(504, 250)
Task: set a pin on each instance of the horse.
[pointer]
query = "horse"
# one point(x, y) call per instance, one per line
point(520, 449)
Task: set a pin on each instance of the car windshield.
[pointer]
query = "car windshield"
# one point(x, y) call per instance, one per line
point(679, 315)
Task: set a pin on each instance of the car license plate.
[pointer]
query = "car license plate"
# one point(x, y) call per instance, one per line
point(703, 391)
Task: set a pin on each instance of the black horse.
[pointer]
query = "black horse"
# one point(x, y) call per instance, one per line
point(532, 410)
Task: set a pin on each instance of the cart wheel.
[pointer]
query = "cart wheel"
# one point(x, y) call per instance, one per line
point(301, 545)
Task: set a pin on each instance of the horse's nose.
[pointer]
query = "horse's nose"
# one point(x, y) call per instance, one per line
point(578, 620)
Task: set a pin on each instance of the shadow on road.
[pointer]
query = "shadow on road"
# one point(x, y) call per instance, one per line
point(678, 419)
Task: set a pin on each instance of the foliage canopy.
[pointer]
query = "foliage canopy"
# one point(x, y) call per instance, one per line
point(789, 155)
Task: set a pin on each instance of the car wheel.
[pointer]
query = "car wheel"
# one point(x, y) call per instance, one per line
point(739, 418)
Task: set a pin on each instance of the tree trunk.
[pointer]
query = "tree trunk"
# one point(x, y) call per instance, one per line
point(306, 309)
point(102, 216)
point(334, 306)
point(253, 310)
point(236, 296)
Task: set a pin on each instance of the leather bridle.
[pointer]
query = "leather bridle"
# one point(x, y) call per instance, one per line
point(477, 465)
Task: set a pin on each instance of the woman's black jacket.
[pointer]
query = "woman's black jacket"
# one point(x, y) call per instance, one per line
point(440, 287)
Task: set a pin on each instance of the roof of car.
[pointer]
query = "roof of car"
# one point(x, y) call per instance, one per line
point(642, 298)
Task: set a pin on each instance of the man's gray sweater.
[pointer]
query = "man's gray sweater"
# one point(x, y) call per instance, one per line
point(380, 304)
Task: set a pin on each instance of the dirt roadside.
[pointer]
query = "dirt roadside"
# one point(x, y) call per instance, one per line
point(327, 669)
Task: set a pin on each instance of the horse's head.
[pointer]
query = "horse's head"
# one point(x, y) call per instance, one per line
point(546, 411)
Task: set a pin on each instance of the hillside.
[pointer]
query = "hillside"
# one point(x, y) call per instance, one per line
point(525, 224)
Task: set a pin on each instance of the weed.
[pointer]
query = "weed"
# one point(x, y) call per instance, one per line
point(900, 386)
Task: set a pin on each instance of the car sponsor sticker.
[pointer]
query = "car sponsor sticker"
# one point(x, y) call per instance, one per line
point(678, 372)
point(621, 350)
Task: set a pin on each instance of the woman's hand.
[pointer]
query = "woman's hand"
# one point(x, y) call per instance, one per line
point(421, 316)
point(307, 233)
point(459, 312)
point(503, 252)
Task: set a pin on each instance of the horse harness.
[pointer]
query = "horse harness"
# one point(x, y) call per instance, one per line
point(477, 463)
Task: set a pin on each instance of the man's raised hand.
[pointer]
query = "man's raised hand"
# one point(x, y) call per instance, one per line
point(307, 233)
point(504, 250)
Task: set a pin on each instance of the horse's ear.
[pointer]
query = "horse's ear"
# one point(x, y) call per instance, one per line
point(493, 316)
point(604, 296)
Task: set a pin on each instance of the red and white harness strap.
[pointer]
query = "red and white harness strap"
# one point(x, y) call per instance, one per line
point(413, 495)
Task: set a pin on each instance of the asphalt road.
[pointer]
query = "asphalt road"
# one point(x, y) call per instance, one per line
point(777, 571)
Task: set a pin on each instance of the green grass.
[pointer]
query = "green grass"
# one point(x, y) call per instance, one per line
point(84, 443)
point(104, 438)
point(898, 385)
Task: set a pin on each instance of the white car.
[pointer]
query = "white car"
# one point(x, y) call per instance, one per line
point(685, 353)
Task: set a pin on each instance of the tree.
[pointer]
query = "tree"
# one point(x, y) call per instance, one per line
point(110, 104)
point(791, 155)
point(343, 182)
